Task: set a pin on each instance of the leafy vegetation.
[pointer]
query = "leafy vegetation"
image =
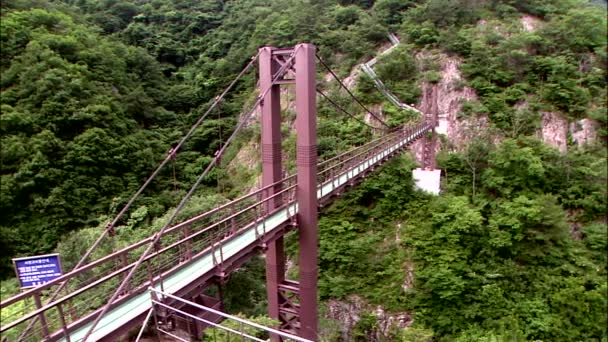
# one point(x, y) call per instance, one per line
point(74, 109)
point(558, 64)
point(501, 264)
point(221, 335)
point(87, 112)
point(509, 251)
point(94, 94)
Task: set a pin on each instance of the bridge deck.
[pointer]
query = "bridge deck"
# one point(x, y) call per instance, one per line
point(141, 303)
point(230, 249)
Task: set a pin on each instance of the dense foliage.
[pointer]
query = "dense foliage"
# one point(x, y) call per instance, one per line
point(74, 109)
point(94, 94)
point(88, 111)
point(509, 263)
point(556, 64)
point(516, 247)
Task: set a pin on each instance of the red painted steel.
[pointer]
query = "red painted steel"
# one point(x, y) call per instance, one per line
point(200, 234)
point(272, 170)
point(428, 159)
point(306, 194)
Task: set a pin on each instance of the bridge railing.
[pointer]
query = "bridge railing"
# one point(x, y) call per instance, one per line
point(240, 328)
point(331, 168)
point(178, 245)
point(97, 280)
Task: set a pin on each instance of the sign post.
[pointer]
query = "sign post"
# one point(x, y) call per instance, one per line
point(37, 270)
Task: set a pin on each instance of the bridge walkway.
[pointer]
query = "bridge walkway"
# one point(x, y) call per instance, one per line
point(189, 254)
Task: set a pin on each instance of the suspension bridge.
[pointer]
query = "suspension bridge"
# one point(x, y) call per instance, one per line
point(162, 277)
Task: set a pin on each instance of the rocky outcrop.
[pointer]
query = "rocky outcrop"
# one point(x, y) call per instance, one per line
point(449, 94)
point(583, 131)
point(554, 130)
point(530, 23)
point(351, 80)
point(450, 98)
point(347, 312)
point(408, 281)
point(377, 110)
point(350, 311)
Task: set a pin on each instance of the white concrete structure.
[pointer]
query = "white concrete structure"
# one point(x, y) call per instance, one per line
point(427, 180)
point(442, 124)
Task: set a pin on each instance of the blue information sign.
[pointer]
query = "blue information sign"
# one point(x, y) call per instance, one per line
point(37, 270)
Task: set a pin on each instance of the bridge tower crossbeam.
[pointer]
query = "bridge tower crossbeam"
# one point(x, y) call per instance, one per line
point(293, 304)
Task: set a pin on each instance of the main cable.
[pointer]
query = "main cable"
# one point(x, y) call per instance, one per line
point(350, 93)
point(170, 156)
point(340, 108)
point(181, 205)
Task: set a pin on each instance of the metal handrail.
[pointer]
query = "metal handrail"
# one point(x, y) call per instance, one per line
point(350, 162)
point(322, 163)
point(29, 293)
point(219, 313)
point(373, 150)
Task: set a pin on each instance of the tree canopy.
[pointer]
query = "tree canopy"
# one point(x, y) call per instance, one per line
point(94, 94)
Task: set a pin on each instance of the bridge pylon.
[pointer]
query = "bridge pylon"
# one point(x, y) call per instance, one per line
point(293, 304)
point(428, 178)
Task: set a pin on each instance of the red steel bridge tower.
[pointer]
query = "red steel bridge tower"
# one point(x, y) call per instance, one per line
point(279, 67)
point(163, 275)
point(430, 140)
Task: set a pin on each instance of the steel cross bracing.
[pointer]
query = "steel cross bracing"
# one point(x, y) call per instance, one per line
point(195, 251)
point(430, 140)
point(163, 313)
point(181, 258)
point(283, 294)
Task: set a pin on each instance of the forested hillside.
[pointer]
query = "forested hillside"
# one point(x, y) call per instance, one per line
point(89, 110)
point(95, 93)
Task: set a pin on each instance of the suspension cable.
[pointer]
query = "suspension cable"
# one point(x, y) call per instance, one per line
point(170, 156)
point(340, 108)
point(350, 93)
point(174, 150)
point(219, 122)
point(181, 205)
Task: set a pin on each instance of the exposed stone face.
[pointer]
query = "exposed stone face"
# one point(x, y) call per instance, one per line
point(450, 99)
point(449, 96)
point(350, 80)
point(377, 110)
point(349, 311)
point(408, 282)
point(530, 23)
point(288, 99)
point(583, 131)
point(554, 130)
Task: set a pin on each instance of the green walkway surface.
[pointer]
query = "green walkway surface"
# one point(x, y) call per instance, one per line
point(140, 304)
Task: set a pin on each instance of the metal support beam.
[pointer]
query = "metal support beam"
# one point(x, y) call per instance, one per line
point(306, 194)
point(271, 172)
point(429, 162)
